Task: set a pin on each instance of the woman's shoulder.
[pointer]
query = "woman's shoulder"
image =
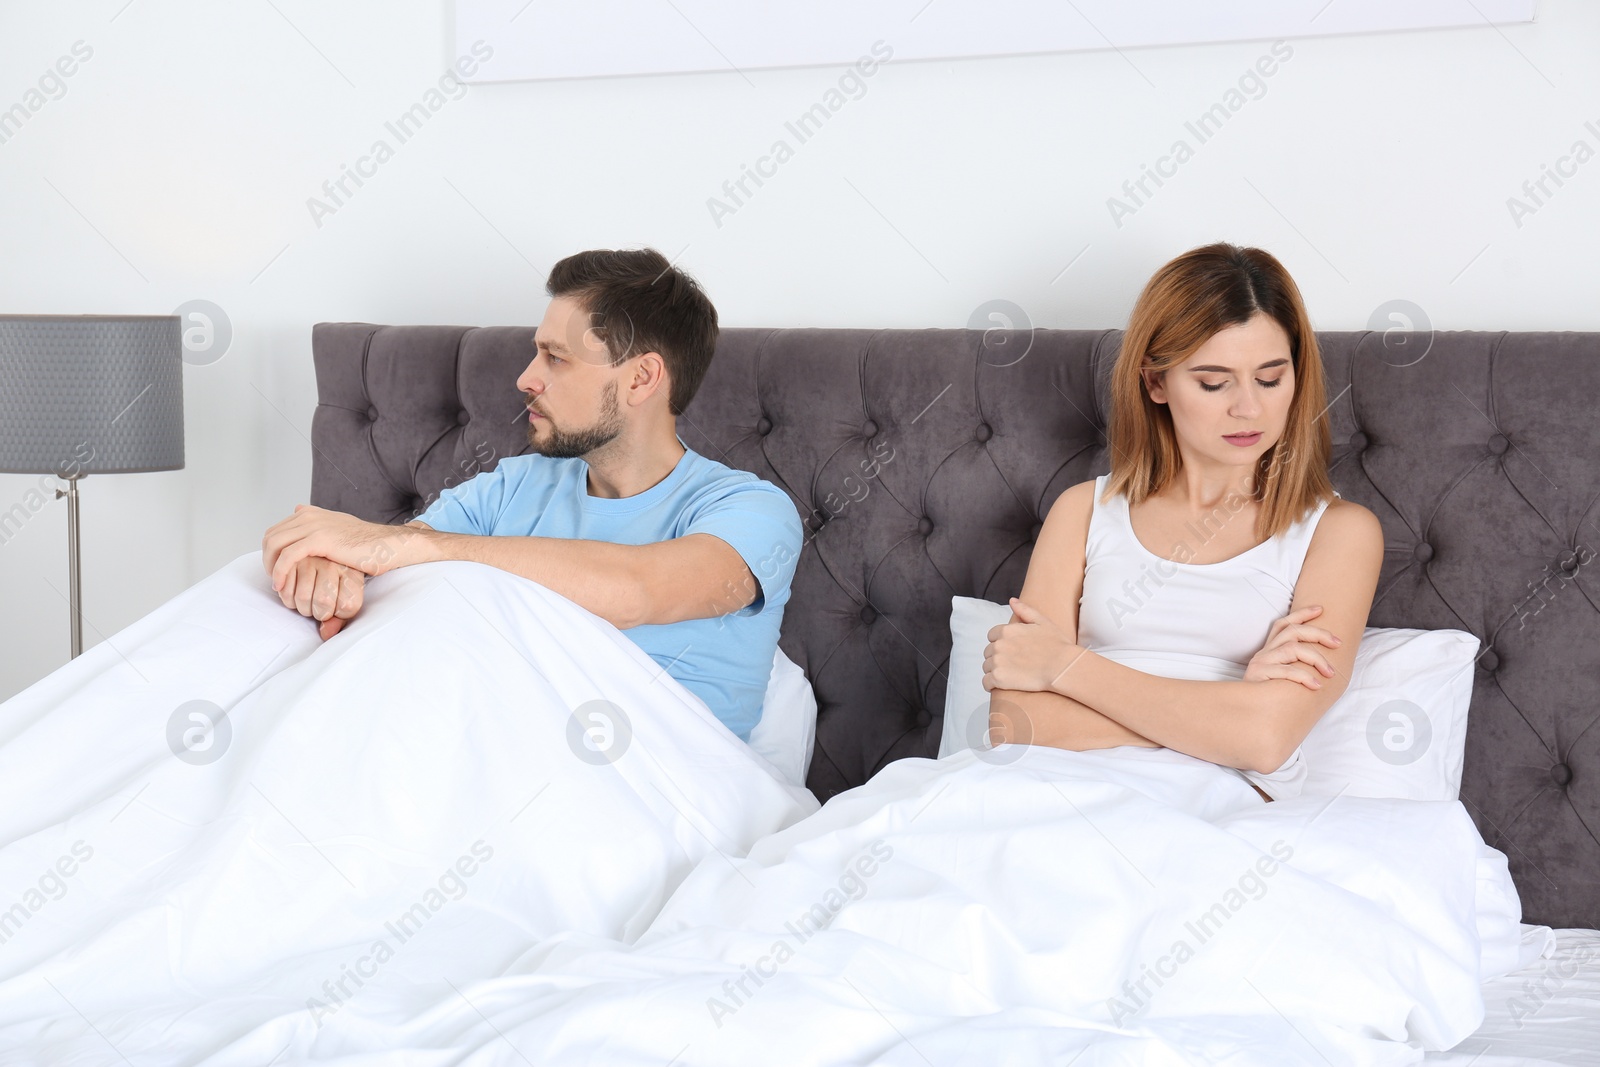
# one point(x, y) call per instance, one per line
point(1350, 525)
point(1077, 500)
point(1340, 510)
point(1072, 510)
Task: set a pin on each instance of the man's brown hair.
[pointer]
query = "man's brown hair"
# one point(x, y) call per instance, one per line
point(637, 301)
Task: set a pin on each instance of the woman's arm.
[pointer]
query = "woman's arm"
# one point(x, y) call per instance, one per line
point(1245, 724)
point(1054, 585)
point(1022, 718)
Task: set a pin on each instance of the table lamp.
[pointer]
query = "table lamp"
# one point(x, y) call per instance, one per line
point(89, 394)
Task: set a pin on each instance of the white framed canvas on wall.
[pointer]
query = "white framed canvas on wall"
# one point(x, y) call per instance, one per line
point(545, 39)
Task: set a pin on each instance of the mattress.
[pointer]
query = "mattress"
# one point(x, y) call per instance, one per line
point(1545, 1013)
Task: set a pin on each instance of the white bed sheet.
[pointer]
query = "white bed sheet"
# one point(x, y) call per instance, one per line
point(1546, 1014)
point(950, 900)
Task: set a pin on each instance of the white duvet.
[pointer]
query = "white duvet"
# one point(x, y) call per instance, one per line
point(410, 805)
point(1025, 906)
point(1131, 906)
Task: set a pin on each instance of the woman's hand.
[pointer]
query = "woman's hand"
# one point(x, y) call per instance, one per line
point(1026, 655)
point(1291, 652)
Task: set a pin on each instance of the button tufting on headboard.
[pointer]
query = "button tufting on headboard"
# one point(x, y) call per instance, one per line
point(939, 465)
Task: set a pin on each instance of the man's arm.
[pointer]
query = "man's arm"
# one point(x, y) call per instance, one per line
point(696, 576)
point(1054, 584)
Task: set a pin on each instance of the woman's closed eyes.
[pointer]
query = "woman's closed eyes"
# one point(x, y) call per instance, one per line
point(1219, 385)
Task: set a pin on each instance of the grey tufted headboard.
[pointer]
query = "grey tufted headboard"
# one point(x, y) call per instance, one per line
point(923, 461)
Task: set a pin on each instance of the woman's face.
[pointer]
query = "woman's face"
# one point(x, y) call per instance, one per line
point(1230, 399)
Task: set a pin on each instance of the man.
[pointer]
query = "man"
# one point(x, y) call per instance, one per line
point(690, 558)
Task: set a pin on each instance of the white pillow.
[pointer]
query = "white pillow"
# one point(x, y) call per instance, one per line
point(788, 725)
point(966, 701)
point(1398, 730)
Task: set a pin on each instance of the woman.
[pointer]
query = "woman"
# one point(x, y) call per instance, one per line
point(1168, 603)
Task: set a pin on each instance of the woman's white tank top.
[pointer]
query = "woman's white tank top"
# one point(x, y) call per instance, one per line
point(1200, 621)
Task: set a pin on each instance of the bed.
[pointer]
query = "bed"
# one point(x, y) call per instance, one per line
point(1477, 450)
point(616, 915)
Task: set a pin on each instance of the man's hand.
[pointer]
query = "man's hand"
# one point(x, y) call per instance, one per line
point(369, 547)
point(1291, 652)
point(324, 590)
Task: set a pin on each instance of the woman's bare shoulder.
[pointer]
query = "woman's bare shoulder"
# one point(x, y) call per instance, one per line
point(1341, 510)
point(1350, 525)
point(1055, 570)
point(1074, 506)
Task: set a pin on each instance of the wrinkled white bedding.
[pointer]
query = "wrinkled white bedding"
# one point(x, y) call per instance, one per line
point(1116, 906)
point(377, 817)
point(1131, 906)
point(1020, 906)
point(1544, 1014)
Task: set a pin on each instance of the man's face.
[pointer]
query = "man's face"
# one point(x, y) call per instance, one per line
point(570, 388)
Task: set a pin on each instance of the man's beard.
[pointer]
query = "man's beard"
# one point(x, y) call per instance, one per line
point(571, 444)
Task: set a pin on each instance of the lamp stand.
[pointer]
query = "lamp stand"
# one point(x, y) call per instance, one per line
point(75, 588)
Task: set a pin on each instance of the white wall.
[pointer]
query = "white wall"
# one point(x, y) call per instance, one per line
point(178, 163)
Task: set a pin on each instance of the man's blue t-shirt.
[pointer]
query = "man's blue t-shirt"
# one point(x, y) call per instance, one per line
point(725, 660)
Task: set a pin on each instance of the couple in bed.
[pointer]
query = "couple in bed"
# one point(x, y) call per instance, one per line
point(1105, 879)
point(1216, 552)
point(402, 842)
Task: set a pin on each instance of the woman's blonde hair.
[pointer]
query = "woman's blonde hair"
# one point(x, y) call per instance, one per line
point(1187, 301)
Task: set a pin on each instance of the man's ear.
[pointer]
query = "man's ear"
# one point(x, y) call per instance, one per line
point(649, 377)
point(1154, 384)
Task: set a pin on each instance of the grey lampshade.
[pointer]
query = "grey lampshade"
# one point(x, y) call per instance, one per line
point(90, 394)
